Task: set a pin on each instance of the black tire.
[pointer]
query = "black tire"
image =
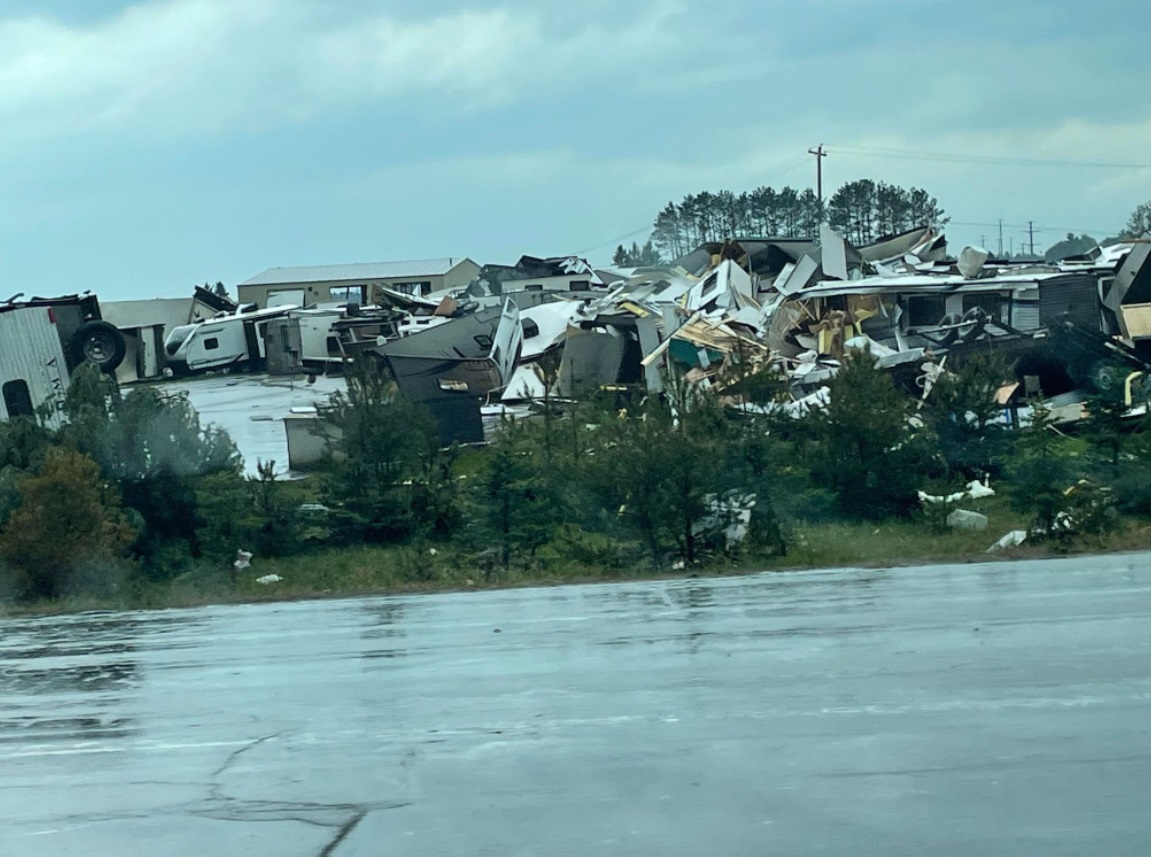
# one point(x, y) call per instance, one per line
point(100, 344)
point(973, 321)
point(1106, 377)
point(949, 336)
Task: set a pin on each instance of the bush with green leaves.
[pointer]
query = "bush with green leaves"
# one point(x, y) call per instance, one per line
point(965, 417)
point(517, 494)
point(68, 519)
point(1041, 474)
point(255, 514)
point(153, 445)
point(1106, 426)
point(659, 467)
point(866, 450)
point(387, 480)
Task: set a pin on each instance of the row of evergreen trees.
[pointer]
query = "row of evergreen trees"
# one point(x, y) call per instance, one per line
point(135, 491)
point(862, 211)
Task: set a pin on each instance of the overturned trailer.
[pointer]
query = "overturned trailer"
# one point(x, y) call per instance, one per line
point(42, 341)
point(451, 368)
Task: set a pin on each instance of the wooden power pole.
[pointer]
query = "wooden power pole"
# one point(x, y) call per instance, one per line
point(820, 154)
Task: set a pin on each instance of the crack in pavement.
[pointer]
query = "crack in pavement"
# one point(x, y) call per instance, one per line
point(343, 833)
point(234, 809)
point(235, 757)
point(342, 817)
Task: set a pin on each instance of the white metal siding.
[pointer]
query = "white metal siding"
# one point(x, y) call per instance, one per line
point(30, 350)
point(1025, 315)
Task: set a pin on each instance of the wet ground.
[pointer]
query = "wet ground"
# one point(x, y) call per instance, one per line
point(997, 709)
point(251, 408)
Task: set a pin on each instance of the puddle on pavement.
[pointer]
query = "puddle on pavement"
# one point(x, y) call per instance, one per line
point(69, 678)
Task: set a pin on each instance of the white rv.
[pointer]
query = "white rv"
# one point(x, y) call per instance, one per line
point(234, 340)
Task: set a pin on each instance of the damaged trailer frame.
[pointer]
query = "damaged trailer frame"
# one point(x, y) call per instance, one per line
point(452, 367)
point(941, 315)
point(42, 341)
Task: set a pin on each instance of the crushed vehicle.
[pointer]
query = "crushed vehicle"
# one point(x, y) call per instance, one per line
point(453, 367)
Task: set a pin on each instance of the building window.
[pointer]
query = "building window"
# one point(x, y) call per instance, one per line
point(579, 285)
point(989, 302)
point(18, 399)
point(926, 311)
point(348, 294)
point(414, 287)
point(211, 344)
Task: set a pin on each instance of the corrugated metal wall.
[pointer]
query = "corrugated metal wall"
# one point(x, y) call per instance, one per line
point(1077, 297)
point(1025, 315)
point(30, 351)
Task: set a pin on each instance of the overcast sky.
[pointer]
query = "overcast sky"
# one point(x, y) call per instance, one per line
point(149, 145)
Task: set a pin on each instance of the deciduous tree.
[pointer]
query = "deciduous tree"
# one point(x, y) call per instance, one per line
point(68, 516)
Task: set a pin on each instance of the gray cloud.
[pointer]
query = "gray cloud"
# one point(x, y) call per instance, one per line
point(179, 140)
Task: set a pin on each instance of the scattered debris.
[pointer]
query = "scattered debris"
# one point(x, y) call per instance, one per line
point(269, 579)
point(1010, 540)
point(450, 367)
point(963, 519)
point(976, 490)
point(243, 560)
point(728, 516)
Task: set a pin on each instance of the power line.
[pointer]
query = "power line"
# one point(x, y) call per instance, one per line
point(1001, 160)
point(1036, 227)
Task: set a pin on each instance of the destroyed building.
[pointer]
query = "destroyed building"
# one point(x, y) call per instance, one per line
point(793, 307)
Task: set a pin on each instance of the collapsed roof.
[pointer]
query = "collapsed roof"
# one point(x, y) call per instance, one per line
point(793, 307)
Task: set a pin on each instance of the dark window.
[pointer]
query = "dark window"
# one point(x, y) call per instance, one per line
point(348, 294)
point(579, 285)
point(926, 310)
point(414, 287)
point(211, 344)
point(989, 303)
point(534, 287)
point(530, 328)
point(18, 400)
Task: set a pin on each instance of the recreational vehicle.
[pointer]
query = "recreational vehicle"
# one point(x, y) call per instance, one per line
point(42, 341)
point(234, 340)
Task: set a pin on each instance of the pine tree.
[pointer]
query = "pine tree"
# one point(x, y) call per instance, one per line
point(867, 453)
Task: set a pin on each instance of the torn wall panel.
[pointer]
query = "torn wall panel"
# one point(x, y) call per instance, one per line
point(592, 359)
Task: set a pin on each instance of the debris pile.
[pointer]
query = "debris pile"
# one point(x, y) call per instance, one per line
point(786, 311)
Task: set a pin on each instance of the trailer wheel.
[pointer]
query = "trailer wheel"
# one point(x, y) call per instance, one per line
point(951, 320)
point(1105, 376)
point(101, 344)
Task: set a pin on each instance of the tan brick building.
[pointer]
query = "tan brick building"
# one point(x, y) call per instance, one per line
point(319, 284)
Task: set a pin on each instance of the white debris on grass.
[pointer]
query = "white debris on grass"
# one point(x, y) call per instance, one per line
point(1011, 540)
point(963, 519)
point(976, 490)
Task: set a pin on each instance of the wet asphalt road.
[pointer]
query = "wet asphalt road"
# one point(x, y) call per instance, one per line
point(989, 709)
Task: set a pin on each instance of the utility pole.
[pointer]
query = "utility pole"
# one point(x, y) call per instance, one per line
point(983, 241)
point(819, 156)
point(1031, 234)
point(1001, 238)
